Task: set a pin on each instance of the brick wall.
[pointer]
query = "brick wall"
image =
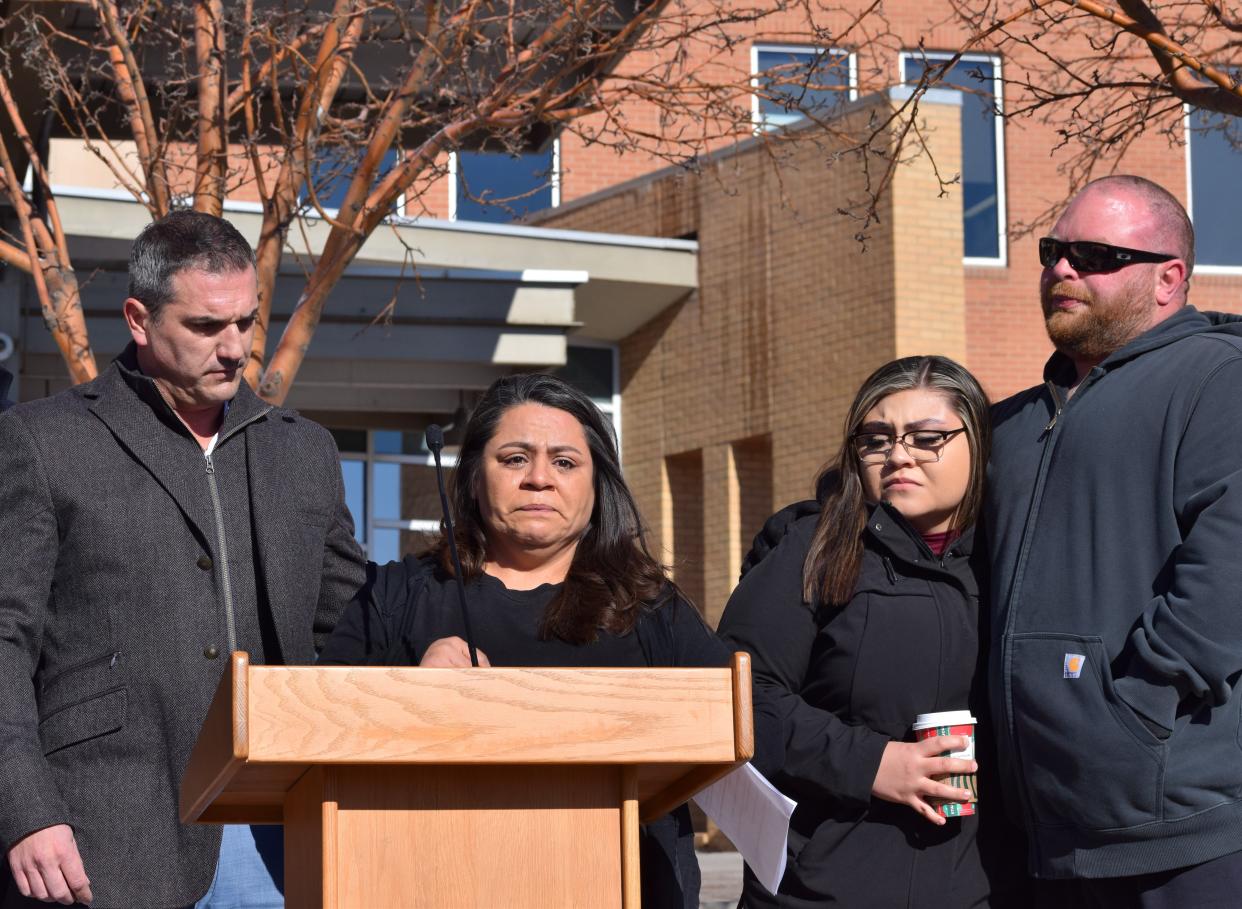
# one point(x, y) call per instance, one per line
point(735, 398)
point(1004, 340)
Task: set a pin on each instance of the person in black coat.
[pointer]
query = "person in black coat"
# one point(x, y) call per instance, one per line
point(863, 615)
point(6, 380)
point(556, 574)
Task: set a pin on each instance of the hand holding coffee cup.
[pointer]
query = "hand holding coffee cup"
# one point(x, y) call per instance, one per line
point(953, 724)
point(913, 773)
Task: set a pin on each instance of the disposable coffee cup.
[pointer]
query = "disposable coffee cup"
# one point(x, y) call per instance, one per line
point(952, 722)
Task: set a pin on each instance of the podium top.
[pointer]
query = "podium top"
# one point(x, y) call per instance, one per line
point(268, 724)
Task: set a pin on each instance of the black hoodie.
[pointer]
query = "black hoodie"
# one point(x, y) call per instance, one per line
point(1114, 524)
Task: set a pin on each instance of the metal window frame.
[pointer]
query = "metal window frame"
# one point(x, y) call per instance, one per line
point(760, 121)
point(1200, 268)
point(1002, 201)
point(555, 181)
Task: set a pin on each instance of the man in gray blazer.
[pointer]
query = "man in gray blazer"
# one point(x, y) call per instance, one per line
point(153, 520)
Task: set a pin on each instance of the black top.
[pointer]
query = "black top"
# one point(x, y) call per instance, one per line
point(851, 677)
point(412, 603)
point(505, 624)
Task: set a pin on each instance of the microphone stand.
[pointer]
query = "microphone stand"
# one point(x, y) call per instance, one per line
point(435, 442)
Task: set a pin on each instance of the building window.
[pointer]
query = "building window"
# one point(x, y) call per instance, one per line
point(1213, 161)
point(331, 173)
point(978, 78)
point(390, 488)
point(791, 82)
point(390, 477)
point(498, 187)
point(594, 370)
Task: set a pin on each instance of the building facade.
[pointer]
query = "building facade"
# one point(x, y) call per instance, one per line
point(723, 316)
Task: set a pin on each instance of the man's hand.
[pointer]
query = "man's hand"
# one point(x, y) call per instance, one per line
point(909, 772)
point(46, 866)
point(451, 653)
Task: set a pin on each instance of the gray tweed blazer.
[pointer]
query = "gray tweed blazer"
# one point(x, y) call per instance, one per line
point(110, 603)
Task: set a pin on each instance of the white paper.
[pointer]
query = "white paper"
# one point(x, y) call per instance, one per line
point(754, 815)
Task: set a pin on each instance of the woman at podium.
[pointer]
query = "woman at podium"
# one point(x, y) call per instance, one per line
point(555, 571)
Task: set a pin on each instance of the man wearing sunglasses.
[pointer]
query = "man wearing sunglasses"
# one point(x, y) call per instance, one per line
point(1114, 525)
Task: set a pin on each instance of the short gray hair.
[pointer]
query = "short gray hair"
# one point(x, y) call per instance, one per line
point(181, 240)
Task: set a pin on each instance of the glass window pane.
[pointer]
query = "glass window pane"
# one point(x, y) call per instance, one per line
point(354, 472)
point(1216, 192)
point(405, 492)
point(589, 369)
point(333, 169)
point(980, 178)
point(397, 442)
point(392, 545)
point(515, 184)
point(793, 82)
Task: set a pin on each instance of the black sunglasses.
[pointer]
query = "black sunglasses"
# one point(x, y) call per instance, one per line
point(1085, 256)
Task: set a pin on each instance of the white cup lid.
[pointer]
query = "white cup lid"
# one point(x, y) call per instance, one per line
point(944, 718)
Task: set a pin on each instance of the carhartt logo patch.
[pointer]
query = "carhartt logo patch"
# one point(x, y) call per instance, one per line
point(1073, 665)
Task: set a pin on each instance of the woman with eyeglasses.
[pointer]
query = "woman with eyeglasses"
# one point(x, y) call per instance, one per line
point(864, 616)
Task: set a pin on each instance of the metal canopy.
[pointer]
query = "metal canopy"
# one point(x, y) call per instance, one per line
point(480, 300)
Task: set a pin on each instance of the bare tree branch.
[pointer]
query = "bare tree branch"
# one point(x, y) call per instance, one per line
point(212, 157)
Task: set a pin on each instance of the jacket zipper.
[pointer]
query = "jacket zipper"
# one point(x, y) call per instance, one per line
point(109, 658)
point(1048, 437)
point(227, 584)
point(1057, 401)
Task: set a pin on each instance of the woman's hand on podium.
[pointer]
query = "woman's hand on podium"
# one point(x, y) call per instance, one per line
point(450, 653)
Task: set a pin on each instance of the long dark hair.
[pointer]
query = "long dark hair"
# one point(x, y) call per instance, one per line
point(612, 574)
point(835, 557)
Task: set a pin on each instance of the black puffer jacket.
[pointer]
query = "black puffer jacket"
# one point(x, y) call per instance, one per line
point(851, 678)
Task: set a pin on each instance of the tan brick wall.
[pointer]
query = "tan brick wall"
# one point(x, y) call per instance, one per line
point(753, 460)
point(742, 388)
point(1004, 344)
point(685, 487)
point(929, 293)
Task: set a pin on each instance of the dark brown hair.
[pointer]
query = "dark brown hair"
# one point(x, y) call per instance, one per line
point(835, 557)
point(612, 575)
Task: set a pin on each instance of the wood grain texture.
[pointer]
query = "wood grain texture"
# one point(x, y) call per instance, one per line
point(311, 842)
point(743, 708)
point(223, 742)
point(464, 787)
point(490, 716)
point(465, 836)
point(679, 790)
point(631, 868)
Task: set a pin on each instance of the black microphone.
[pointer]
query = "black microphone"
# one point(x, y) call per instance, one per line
point(435, 442)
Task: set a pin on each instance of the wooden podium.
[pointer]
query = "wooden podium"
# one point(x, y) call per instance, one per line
point(407, 787)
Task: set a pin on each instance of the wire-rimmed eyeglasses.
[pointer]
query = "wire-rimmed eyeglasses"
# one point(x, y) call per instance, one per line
point(922, 445)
